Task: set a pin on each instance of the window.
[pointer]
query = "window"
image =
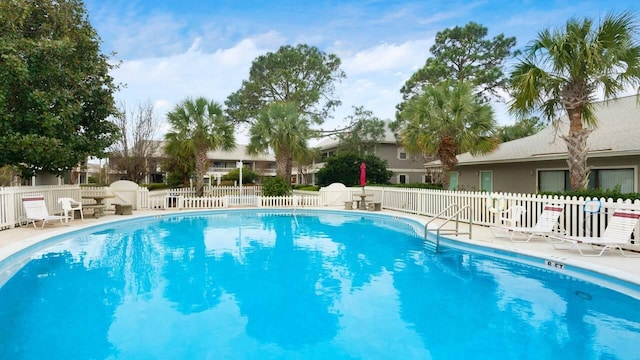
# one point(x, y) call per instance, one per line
point(554, 180)
point(608, 179)
point(402, 154)
point(402, 179)
point(560, 180)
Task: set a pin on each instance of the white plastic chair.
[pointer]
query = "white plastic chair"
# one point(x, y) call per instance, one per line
point(70, 205)
point(511, 216)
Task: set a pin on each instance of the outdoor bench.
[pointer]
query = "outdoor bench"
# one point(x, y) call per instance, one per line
point(123, 209)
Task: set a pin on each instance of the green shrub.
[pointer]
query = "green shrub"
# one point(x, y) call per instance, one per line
point(174, 180)
point(248, 175)
point(308, 187)
point(275, 186)
point(614, 193)
point(345, 169)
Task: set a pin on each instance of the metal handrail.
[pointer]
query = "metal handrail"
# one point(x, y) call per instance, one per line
point(439, 229)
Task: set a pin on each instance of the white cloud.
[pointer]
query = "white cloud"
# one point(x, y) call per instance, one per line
point(132, 35)
point(171, 55)
point(388, 57)
point(374, 75)
point(165, 81)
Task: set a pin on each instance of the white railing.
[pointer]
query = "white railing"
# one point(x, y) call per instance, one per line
point(307, 201)
point(159, 199)
point(201, 202)
point(218, 191)
point(242, 200)
point(164, 199)
point(290, 201)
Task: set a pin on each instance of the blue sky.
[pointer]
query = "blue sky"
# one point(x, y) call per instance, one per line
point(174, 49)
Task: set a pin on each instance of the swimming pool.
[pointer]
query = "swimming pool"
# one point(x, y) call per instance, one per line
point(325, 285)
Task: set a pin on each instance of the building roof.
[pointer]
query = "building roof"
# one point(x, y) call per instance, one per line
point(238, 153)
point(333, 141)
point(617, 134)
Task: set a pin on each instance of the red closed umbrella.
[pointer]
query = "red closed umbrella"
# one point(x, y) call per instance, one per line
point(363, 175)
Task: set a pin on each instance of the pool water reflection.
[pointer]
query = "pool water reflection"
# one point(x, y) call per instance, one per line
point(265, 284)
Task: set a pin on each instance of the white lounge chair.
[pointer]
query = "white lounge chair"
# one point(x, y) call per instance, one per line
point(616, 234)
point(36, 210)
point(547, 223)
point(70, 205)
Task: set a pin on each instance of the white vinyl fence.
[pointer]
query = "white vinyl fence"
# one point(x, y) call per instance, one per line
point(431, 202)
point(12, 211)
point(425, 202)
point(218, 191)
point(169, 199)
point(415, 201)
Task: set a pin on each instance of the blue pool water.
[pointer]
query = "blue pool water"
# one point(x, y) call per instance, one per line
point(324, 285)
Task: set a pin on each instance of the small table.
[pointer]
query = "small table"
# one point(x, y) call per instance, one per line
point(99, 207)
point(362, 202)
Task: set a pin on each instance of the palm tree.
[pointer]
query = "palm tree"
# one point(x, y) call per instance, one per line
point(283, 129)
point(445, 120)
point(180, 162)
point(563, 69)
point(199, 126)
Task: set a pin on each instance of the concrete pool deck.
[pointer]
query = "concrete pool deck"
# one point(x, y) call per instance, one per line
point(611, 263)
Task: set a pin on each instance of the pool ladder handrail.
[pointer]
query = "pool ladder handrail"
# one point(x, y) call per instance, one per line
point(456, 232)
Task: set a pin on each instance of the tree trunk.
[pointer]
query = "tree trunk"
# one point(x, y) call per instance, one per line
point(201, 168)
point(282, 164)
point(576, 140)
point(447, 155)
point(289, 170)
point(577, 158)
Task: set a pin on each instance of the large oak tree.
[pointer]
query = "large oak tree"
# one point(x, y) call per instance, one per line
point(301, 75)
point(464, 54)
point(300, 79)
point(56, 95)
